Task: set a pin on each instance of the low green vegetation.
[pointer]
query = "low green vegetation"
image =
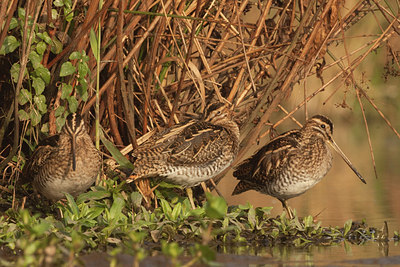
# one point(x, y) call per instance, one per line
point(110, 219)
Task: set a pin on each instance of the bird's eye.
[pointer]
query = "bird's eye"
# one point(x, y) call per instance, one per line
point(323, 126)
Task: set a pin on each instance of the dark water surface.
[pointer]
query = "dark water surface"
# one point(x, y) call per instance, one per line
point(344, 254)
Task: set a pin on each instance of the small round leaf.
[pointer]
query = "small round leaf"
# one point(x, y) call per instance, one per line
point(67, 69)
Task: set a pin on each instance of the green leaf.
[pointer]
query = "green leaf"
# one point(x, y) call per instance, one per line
point(56, 46)
point(21, 14)
point(165, 207)
point(9, 45)
point(115, 153)
point(15, 68)
point(68, 12)
point(93, 43)
point(82, 89)
point(85, 58)
point(24, 97)
point(59, 111)
point(171, 249)
point(38, 84)
point(23, 116)
point(45, 37)
point(72, 104)
point(206, 252)
point(35, 117)
point(77, 241)
point(43, 73)
point(41, 228)
point(35, 59)
point(93, 195)
point(215, 207)
point(58, 3)
point(196, 212)
point(83, 69)
point(116, 208)
point(251, 217)
point(347, 227)
point(67, 69)
point(66, 90)
point(68, 3)
point(75, 55)
point(136, 198)
point(13, 23)
point(72, 205)
point(60, 121)
point(308, 221)
point(137, 237)
point(40, 102)
point(94, 212)
point(41, 47)
point(54, 14)
point(176, 211)
point(45, 128)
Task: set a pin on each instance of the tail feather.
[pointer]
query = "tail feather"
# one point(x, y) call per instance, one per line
point(244, 170)
point(241, 187)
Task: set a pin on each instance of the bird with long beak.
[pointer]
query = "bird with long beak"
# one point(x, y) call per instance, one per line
point(67, 162)
point(291, 163)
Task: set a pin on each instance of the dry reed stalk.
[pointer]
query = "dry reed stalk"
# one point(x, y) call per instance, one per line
point(180, 57)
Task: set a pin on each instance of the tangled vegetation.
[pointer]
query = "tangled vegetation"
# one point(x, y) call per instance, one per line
point(133, 66)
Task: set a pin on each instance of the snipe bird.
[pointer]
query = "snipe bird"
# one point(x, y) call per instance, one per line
point(291, 163)
point(67, 162)
point(190, 152)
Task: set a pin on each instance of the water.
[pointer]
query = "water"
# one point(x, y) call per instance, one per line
point(343, 254)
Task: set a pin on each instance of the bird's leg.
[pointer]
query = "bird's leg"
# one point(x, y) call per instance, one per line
point(205, 188)
point(215, 187)
point(286, 207)
point(189, 192)
point(143, 186)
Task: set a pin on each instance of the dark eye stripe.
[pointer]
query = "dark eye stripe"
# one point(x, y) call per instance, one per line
point(74, 124)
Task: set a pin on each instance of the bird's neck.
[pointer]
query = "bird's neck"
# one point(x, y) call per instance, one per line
point(230, 126)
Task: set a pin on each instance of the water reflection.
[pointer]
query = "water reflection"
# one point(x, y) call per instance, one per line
point(342, 254)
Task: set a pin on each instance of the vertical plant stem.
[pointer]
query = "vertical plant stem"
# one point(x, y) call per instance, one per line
point(126, 96)
point(97, 106)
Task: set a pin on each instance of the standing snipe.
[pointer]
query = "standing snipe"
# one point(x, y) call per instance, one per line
point(191, 152)
point(291, 163)
point(67, 162)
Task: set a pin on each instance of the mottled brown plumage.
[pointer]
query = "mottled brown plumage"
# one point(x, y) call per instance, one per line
point(67, 162)
point(291, 163)
point(191, 152)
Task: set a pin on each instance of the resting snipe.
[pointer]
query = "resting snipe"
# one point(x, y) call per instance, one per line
point(67, 162)
point(191, 152)
point(291, 163)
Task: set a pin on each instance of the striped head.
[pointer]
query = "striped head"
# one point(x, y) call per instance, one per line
point(74, 127)
point(321, 125)
point(217, 112)
point(221, 115)
point(324, 127)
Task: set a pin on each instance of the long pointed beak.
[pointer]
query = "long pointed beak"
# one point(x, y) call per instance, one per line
point(340, 152)
point(73, 151)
